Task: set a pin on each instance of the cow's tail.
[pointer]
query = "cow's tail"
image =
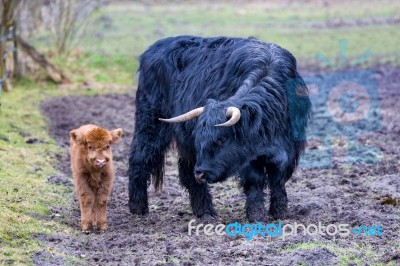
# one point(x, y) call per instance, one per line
point(299, 106)
point(157, 178)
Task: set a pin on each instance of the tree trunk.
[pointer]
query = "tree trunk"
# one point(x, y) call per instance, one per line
point(7, 8)
point(54, 73)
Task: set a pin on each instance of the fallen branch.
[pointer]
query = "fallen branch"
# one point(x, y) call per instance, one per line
point(52, 71)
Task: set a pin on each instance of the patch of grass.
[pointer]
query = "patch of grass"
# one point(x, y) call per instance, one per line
point(119, 33)
point(98, 67)
point(26, 196)
point(24, 168)
point(132, 34)
point(346, 255)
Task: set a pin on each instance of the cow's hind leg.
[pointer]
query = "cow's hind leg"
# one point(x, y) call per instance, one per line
point(253, 180)
point(278, 172)
point(200, 197)
point(150, 141)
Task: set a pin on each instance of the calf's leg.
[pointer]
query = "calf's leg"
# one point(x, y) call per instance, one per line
point(86, 200)
point(101, 212)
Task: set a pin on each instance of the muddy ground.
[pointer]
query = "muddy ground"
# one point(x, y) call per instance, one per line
point(338, 182)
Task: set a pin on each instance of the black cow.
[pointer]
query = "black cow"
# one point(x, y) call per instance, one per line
point(239, 108)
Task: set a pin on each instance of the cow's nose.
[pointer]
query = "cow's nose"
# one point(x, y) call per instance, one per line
point(200, 176)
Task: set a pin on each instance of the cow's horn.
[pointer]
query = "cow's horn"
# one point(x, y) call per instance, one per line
point(234, 114)
point(184, 117)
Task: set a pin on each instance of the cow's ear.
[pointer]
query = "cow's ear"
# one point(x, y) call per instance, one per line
point(116, 135)
point(77, 136)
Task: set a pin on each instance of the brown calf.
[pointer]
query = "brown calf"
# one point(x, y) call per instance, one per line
point(93, 172)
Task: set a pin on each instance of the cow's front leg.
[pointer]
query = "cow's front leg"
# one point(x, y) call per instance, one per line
point(200, 197)
point(138, 199)
point(253, 180)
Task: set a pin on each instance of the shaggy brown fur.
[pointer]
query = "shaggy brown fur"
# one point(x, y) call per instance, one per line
point(93, 172)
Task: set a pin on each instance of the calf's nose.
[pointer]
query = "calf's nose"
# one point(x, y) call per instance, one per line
point(100, 162)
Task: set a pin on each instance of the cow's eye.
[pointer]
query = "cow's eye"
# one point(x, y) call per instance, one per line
point(108, 146)
point(90, 147)
point(220, 141)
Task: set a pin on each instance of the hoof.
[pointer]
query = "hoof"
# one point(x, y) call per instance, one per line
point(86, 231)
point(255, 215)
point(137, 209)
point(278, 214)
point(86, 228)
point(208, 218)
point(103, 227)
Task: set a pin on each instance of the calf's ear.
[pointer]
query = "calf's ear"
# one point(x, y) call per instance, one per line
point(76, 136)
point(116, 135)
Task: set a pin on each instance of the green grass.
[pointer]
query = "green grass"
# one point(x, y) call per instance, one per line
point(119, 33)
point(131, 35)
point(24, 169)
point(346, 255)
point(108, 54)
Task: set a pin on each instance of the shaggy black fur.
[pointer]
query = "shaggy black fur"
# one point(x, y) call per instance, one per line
point(181, 73)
